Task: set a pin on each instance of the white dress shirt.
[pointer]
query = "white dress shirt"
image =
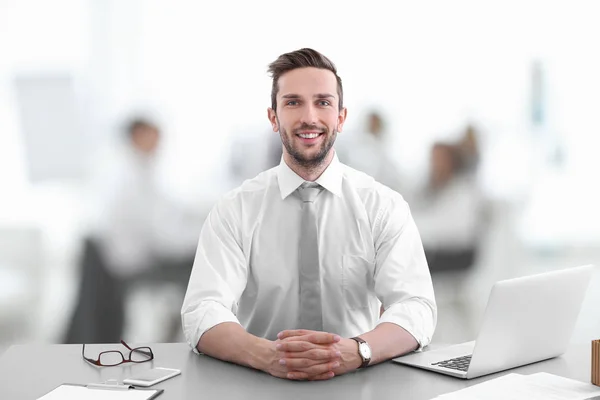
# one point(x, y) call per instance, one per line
point(370, 252)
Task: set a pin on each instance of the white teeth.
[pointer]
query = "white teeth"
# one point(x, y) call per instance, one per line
point(309, 135)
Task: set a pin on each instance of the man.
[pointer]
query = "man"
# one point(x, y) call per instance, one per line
point(293, 267)
point(450, 212)
point(138, 239)
point(136, 220)
point(368, 152)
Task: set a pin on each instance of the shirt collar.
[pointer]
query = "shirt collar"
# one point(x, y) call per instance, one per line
point(330, 179)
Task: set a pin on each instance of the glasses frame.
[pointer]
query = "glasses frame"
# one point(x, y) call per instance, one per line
point(144, 350)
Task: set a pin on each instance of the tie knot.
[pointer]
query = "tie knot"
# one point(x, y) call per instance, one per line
point(309, 191)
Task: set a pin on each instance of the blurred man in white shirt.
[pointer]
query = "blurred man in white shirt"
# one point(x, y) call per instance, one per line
point(135, 221)
point(450, 211)
point(138, 240)
point(368, 151)
point(246, 299)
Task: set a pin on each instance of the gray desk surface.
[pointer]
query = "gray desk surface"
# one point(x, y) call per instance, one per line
point(30, 371)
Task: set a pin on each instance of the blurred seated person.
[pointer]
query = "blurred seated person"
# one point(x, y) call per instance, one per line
point(448, 212)
point(138, 236)
point(368, 152)
point(468, 150)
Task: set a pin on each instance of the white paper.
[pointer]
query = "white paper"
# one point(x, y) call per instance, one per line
point(69, 392)
point(540, 386)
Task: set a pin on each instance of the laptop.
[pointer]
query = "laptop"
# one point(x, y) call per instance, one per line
point(526, 320)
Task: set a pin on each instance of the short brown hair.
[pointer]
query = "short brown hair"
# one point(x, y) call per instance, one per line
point(301, 59)
point(139, 122)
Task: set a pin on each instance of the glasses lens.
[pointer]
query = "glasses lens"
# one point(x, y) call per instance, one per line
point(111, 358)
point(141, 354)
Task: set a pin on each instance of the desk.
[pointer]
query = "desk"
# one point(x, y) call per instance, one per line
point(29, 371)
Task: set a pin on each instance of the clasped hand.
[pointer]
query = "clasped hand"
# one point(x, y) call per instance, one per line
point(310, 355)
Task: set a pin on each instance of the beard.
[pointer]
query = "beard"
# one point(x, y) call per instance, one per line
point(302, 159)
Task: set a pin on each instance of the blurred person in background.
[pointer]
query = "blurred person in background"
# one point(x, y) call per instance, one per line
point(448, 210)
point(367, 151)
point(138, 236)
point(468, 151)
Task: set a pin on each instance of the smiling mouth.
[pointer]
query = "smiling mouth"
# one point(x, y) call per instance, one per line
point(309, 135)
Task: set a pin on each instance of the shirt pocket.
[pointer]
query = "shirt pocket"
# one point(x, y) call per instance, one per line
point(357, 281)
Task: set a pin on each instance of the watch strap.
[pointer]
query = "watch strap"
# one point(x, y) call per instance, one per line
point(365, 361)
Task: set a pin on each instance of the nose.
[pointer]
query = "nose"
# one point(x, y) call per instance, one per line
point(309, 115)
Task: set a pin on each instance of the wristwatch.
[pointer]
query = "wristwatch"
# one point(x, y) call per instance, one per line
point(364, 351)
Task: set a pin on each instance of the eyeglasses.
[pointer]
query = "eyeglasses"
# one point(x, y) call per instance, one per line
point(115, 357)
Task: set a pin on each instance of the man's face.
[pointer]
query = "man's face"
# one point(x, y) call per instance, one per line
point(442, 165)
point(308, 117)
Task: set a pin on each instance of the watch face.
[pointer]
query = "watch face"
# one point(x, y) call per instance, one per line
point(365, 350)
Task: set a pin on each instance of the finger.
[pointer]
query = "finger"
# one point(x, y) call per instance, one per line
point(280, 374)
point(293, 332)
point(297, 376)
point(301, 376)
point(314, 354)
point(297, 345)
point(322, 377)
point(293, 364)
point(314, 337)
point(323, 338)
point(319, 369)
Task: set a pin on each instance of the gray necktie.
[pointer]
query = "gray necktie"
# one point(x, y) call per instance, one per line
point(311, 316)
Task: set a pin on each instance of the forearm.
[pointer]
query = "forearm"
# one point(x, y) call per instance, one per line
point(230, 342)
point(387, 341)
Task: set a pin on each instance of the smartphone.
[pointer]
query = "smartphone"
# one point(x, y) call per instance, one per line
point(151, 377)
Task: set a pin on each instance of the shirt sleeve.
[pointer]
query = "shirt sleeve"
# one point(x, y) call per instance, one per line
point(402, 278)
point(218, 277)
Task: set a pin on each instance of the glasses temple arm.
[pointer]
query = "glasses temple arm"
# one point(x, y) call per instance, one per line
point(126, 345)
point(149, 353)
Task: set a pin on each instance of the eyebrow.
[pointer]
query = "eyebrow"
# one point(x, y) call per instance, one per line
point(316, 96)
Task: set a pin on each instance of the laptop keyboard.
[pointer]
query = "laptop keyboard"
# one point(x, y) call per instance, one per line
point(459, 363)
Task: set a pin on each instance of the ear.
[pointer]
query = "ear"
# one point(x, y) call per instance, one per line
point(342, 118)
point(272, 115)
